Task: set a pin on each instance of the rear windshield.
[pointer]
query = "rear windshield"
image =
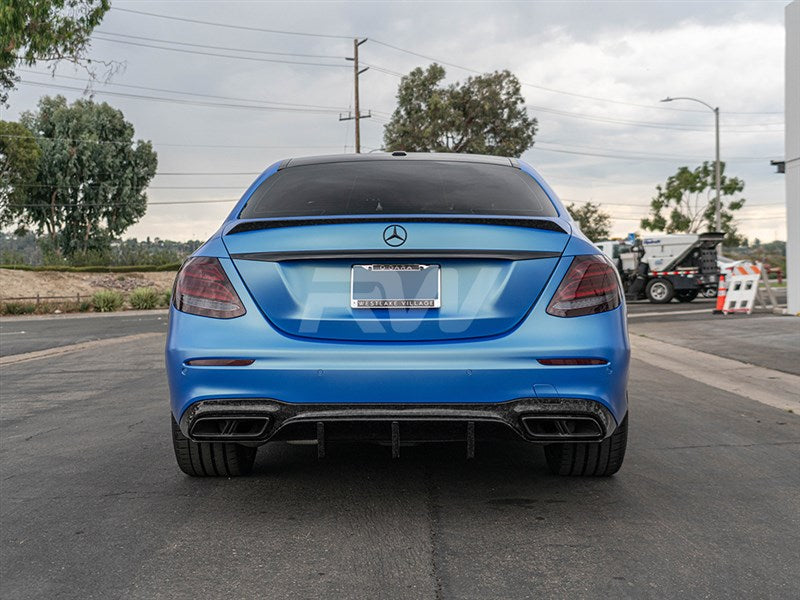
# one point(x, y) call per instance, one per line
point(396, 187)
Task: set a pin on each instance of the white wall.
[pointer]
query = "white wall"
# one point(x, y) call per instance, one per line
point(792, 155)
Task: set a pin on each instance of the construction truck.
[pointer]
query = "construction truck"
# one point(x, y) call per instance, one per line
point(668, 266)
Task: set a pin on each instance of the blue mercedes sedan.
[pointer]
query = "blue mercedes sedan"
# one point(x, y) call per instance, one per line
point(398, 298)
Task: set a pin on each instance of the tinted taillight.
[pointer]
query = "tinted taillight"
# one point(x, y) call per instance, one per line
point(590, 286)
point(202, 288)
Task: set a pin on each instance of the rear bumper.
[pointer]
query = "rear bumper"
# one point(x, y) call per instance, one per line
point(257, 421)
point(478, 372)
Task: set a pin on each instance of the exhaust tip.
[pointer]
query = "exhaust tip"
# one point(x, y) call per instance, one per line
point(558, 427)
point(228, 429)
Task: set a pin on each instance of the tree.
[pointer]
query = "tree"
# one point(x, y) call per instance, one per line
point(45, 30)
point(687, 203)
point(91, 181)
point(19, 162)
point(485, 115)
point(593, 222)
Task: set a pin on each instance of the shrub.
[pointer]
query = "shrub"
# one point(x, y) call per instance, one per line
point(144, 298)
point(107, 301)
point(18, 308)
point(166, 298)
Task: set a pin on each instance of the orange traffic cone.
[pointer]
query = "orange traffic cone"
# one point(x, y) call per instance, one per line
point(722, 291)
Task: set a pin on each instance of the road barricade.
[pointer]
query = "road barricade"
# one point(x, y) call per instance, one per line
point(742, 289)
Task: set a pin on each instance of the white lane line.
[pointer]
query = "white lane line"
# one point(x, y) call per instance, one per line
point(768, 386)
point(666, 313)
point(39, 354)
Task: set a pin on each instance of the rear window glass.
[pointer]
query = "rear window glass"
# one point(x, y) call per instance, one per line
point(396, 187)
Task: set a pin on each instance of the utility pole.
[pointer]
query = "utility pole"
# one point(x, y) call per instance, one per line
point(357, 116)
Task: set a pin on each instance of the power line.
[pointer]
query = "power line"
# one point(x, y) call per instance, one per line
point(170, 145)
point(641, 157)
point(217, 146)
point(185, 93)
point(426, 57)
point(184, 101)
point(647, 206)
point(268, 52)
point(558, 148)
point(95, 204)
point(251, 58)
point(646, 154)
point(228, 26)
point(675, 126)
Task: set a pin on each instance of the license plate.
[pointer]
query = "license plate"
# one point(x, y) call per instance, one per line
point(395, 286)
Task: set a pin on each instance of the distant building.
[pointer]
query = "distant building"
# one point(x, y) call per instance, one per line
point(792, 156)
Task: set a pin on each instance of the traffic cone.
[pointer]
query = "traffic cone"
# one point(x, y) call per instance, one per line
point(722, 291)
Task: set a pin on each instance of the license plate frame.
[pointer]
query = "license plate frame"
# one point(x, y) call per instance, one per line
point(425, 271)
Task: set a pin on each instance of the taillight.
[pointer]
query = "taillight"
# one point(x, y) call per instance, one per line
point(202, 288)
point(590, 286)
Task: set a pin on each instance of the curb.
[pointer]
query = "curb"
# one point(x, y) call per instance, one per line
point(86, 315)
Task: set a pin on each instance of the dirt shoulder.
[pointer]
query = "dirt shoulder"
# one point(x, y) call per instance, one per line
point(18, 284)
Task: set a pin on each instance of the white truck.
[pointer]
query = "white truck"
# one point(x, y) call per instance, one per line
point(668, 266)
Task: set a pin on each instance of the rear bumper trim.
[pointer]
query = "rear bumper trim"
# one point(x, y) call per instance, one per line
point(283, 416)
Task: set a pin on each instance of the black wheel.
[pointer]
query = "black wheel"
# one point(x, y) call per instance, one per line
point(211, 459)
point(686, 295)
point(591, 459)
point(659, 291)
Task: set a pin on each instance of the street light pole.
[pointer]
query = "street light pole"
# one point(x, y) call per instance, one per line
point(717, 168)
point(718, 211)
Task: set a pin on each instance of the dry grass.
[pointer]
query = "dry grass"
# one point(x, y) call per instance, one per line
point(18, 284)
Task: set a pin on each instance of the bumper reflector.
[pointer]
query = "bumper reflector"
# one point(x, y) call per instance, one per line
point(569, 362)
point(220, 362)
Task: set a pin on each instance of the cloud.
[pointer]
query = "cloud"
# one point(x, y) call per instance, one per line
point(729, 54)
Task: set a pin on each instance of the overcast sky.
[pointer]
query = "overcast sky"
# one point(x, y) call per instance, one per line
point(593, 72)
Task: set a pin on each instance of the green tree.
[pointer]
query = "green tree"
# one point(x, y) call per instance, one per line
point(484, 115)
point(92, 176)
point(593, 222)
point(34, 31)
point(19, 162)
point(686, 203)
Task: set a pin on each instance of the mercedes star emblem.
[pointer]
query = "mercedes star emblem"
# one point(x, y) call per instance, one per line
point(395, 235)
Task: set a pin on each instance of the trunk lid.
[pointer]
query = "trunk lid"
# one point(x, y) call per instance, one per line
point(492, 271)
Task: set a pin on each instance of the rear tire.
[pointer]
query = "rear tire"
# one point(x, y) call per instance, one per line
point(686, 295)
point(659, 291)
point(589, 459)
point(211, 459)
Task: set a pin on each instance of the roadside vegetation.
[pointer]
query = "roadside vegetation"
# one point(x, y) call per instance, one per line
point(29, 252)
point(144, 298)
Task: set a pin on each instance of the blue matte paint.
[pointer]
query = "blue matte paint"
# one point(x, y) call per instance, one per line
point(491, 359)
point(289, 293)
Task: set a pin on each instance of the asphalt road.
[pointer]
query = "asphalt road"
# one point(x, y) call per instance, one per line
point(93, 506)
point(27, 334)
